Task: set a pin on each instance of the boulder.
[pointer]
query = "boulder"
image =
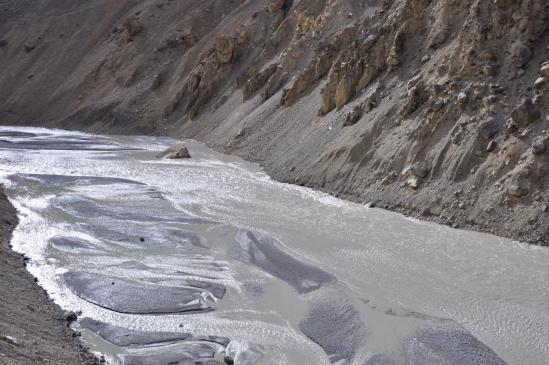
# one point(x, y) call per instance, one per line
point(521, 53)
point(224, 49)
point(526, 112)
point(133, 27)
point(175, 152)
point(518, 184)
point(353, 116)
point(489, 129)
point(420, 169)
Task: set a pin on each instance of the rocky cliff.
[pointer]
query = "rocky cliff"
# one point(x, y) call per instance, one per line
point(435, 108)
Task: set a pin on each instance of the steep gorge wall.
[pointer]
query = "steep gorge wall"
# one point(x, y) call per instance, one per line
point(435, 108)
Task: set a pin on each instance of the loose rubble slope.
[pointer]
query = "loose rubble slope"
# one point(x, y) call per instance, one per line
point(434, 108)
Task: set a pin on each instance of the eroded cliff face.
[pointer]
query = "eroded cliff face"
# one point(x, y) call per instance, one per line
point(435, 108)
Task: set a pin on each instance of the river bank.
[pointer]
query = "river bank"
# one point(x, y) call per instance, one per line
point(436, 116)
point(32, 329)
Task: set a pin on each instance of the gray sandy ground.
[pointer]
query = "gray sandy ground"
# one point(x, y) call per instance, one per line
point(32, 328)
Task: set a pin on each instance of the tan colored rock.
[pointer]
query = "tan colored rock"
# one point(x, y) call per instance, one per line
point(367, 77)
point(224, 49)
point(526, 112)
point(344, 92)
point(175, 152)
point(326, 103)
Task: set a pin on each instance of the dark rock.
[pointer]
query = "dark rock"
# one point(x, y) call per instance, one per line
point(228, 360)
point(353, 116)
point(29, 47)
point(70, 316)
point(3, 43)
point(175, 152)
point(489, 129)
point(133, 27)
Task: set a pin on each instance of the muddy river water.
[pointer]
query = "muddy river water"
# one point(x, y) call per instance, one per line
point(198, 260)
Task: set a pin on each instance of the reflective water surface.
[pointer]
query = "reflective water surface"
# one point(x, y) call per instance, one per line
point(190, 261)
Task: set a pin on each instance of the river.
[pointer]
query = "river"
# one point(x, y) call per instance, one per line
point(190, 261)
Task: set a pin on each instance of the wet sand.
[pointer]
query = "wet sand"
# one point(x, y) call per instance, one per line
point(32, 327)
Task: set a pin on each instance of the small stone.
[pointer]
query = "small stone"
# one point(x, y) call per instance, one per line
point(412, 183)
point(3, 43)
point(438, 105)
point(491, 146)
point(228, 359)
point(142, 239)
point(491, 99)
point(29, 47)
point(545, 70)
point(540, 82)
point(69, 316)
point(462, 98)
point(538, 146)
point(9, 339)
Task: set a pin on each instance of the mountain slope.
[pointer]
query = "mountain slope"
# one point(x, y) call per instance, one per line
point(434, 108)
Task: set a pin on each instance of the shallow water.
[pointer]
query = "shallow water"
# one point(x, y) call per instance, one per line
point(190, 260)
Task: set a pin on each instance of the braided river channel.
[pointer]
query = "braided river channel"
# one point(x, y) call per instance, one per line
point(209, 261)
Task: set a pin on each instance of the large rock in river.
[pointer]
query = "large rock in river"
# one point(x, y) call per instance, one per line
point(176, 151)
